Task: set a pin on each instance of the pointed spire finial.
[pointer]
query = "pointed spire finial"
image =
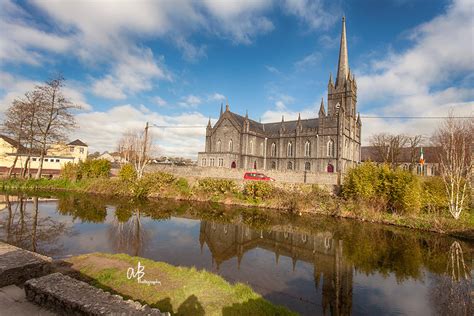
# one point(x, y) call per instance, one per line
point(330, 79)
point(299, 116)
point(358, 117)
point(343, 64)
point(322, 110)
point(227, 105)
point(282, 118)
point(209, 122)
point(246, 114)
point(221, 109)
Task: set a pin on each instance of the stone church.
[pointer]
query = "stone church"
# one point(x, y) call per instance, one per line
point(329, 142)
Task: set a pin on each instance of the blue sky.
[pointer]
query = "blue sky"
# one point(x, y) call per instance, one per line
point(175, 61)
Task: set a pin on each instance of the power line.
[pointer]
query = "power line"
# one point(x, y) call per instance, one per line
point(364, 117)
point(418, 117)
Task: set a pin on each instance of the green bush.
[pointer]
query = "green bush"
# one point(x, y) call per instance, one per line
point(97, 168)
point(128, 173)
point(434, 198)
point(397, 190)
point(70, 171)
point(183, 186)
point(403, 192)
point(258, 189)
point(152, 183)
point(217, 186)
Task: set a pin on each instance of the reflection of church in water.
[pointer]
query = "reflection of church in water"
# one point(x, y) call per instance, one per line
point(226, 241)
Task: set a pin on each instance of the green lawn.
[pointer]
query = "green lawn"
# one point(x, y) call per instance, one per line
point(183, 291)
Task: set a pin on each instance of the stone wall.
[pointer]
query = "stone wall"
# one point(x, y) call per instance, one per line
point(322, 178)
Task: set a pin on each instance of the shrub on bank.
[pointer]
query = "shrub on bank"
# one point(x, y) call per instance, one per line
point(70, 171)
point(89, 169)
point(396, 190)
point(97, 168)
point(128, 173)
point(258, 190)
point(434, 198)
point(217, 186)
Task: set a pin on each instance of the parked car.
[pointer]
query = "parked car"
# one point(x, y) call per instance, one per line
point(257, 176)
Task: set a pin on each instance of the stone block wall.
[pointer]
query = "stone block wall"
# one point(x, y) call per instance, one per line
point(321, 178)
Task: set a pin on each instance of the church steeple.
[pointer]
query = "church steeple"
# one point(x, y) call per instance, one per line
point(343, 64)
point(322, 111)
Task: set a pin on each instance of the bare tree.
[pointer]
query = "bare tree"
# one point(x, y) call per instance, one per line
point(388, 147)
point(55, 117)
point(14, 126)
point(135, 147)
point(19, 123)
point(454, 139)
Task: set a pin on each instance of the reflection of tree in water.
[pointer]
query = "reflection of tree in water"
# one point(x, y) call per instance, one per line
point(450, 292)
point(87, 209)
point(127, 232)
point(26, 229)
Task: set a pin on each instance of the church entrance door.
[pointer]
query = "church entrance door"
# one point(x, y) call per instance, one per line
point(233, 165)
point(330, 168)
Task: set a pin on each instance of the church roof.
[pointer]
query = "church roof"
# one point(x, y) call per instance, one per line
point(274, 128)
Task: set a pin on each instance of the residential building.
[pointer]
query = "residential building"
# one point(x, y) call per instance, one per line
point(56, 156)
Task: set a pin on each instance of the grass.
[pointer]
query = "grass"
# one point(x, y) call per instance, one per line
point(183, 291)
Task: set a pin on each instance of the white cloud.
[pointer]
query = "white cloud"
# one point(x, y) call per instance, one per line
point(14, 87)
point(313, 13)
point(185, 142)
point(309, 61)
point(273, 70)
point(216, 97)
point(190, 101)
point(134, 73)
point(159, 101)
point(427, 79)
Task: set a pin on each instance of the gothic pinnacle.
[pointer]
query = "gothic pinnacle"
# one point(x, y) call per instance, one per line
point(221, 109)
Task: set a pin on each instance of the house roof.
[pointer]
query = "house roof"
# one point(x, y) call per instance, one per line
point(77, 142)
point(11, 141)
point(430, 154)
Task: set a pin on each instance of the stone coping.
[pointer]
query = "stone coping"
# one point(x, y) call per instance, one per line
point(18, 265)
point(69, 296)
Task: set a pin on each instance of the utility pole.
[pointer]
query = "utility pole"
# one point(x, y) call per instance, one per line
point(145, 141)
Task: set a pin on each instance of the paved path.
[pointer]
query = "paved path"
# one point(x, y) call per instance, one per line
point(13, 302)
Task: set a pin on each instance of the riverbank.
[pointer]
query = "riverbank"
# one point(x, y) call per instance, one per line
point(286, 198)
point(178, 290)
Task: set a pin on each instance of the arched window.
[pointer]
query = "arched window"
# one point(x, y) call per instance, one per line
point(255, 164)
point(330, 148)
point(251, 147)
point(289, 152)
point(203, 163)
point(231, 146)
point(307, 149)
point(273, 151)
point(307, 166)
point(261, 149)
point(290, 165)
point(219, 146)
point(274, 165)
point(330, 168)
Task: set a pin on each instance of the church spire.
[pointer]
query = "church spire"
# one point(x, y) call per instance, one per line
point(227, 105)
point(343, 64)
point(322, 111)
point(221, 110)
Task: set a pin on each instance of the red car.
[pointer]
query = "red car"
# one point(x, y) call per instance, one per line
point(257, 176)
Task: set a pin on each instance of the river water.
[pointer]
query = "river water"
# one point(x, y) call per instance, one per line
point(314, 266)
